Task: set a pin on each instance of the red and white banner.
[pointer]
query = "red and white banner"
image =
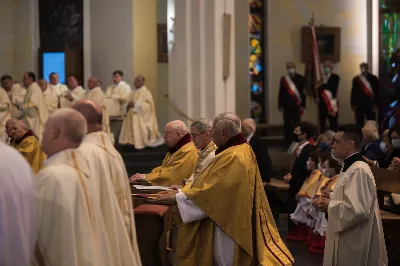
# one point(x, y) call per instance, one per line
point(330, 102)
point(292, 89)
point(318, 76)
point(366, 86)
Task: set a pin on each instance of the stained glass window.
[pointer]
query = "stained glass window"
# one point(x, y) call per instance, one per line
point(256, 59)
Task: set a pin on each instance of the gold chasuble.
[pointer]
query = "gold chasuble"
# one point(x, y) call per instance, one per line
point(309, 186)
point(231, 193)
point(29, 147)
point(178, 164)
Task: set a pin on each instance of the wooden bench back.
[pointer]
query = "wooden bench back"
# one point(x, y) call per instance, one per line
point(282, 160)
point(388, 181)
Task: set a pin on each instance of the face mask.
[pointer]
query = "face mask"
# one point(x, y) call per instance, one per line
point(383, 147)
point(323, 146)
point(364, 71)
point(296, 137)
point(396, 143)
point(320, 168)
point(327, 71)
point(291, 71)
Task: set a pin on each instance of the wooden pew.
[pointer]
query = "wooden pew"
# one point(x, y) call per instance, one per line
point(283, 163)
point(389, 181)
point(153, 230)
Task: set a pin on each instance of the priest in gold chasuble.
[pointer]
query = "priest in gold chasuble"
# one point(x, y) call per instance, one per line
point(179, 163)
point(226, 215)
point(28, 145)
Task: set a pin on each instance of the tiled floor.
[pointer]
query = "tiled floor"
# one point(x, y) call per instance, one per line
point(302, 256)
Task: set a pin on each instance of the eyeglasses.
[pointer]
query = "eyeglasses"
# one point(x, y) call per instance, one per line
point(193, 135)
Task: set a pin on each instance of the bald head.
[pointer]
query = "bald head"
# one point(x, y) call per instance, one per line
point(92, 113)
point(9, 124)
point(248, 127)
point(93, 82)
point(18, 129)
point(226, 126)
point(65, 129)
point(174, 131)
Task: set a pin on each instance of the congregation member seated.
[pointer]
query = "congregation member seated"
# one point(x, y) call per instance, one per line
point(371, 143)
point(324, 141)
point(259, 148)
point(301, 134)
point(28, 145)
point(392, 153)
point(179, 163)
point(301, 215)
point(319, 222)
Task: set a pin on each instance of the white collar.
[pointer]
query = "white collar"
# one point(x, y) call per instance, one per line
point(300, 148)
point(351, 155)
point(250, 137)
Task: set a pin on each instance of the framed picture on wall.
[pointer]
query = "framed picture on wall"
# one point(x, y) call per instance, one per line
point(162, 43)
point(328, 39)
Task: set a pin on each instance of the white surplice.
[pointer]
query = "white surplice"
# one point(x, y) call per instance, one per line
point(117, 97)
point(97, 95)
point(34, 110)
point(17, 209)
point(58, 89)
point(355, 235)
point(17, 96)
point(76, 94)
point(112, 181)
point(50, 99)
point(70, 226)
point(224, 246)
point(5, 113)
point(140, 126)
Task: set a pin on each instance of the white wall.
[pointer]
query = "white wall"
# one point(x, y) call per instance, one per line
point(19, 37)
point(285, 19)
point(109, 36)
point(162, 75)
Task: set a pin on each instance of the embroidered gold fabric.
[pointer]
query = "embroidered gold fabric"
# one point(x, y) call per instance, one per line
point(203, 154)
point(175, 168)
point(308, 187)
point(231, 193)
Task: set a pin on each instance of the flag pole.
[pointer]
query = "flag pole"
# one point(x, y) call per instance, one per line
point(316, 68)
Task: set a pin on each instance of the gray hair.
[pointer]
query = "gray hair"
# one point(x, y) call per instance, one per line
point(202, 125)
point(230, 122)
point(371, 130)
point(72, 124)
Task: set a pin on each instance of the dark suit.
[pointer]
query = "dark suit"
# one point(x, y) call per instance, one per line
point(373, 150)
point(289, 105)
point(260, 150)
point(299, 175)
point(361, 102)
point(332, 85)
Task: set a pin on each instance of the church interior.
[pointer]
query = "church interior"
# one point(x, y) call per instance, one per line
point(180, 60)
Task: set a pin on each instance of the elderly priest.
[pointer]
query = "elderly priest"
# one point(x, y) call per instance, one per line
point(226, 205)
point(70, 225)
point(114, 190)
point(27, 144)
point(179, 163)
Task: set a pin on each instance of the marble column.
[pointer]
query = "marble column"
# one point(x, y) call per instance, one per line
point(196, 83)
